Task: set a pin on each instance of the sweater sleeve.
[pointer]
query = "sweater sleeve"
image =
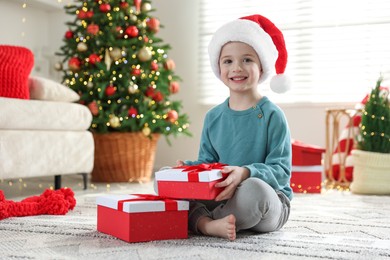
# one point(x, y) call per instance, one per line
point(276, 170)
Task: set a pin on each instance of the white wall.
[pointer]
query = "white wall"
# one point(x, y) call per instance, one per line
point(180, 18)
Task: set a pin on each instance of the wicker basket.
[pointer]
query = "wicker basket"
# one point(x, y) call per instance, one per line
point(371, 173)
point(124, 157)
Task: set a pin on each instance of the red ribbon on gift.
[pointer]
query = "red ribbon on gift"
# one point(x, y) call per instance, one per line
point(170, 204)
point(193, 170)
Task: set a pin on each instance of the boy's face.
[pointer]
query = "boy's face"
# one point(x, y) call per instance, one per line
point(240, 67)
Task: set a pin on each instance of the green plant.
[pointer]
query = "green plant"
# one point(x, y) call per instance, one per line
point(120, 69)
point(375, 125)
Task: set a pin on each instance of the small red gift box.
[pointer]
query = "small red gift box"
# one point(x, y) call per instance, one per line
point(142, 217)
point(306, 179)
point(190, 182)
point(303, 154)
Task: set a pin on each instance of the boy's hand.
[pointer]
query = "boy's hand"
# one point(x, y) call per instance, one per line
point(236, 176)
point(179, 163)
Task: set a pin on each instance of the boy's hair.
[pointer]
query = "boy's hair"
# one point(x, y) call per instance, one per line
point(265, 38)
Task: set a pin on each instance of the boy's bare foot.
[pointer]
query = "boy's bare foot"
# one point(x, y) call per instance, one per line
point(224, 227)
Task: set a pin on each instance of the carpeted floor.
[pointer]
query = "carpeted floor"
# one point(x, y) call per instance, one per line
point(331, 225)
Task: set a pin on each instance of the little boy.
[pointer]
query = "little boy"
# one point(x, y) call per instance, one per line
point(248, 132)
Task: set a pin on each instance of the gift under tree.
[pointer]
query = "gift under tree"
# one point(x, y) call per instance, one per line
point(121, 70)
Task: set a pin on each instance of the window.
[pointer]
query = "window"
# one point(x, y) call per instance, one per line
point(337, 49)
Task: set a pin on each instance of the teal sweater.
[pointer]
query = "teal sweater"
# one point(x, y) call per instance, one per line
point(257, 138)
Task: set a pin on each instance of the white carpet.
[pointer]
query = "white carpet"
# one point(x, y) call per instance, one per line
point(332, 225)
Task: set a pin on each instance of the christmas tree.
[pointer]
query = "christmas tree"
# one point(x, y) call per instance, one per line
point(121, 70)
point(375, 124)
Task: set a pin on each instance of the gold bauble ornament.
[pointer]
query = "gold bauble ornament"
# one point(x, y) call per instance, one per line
point(144, 54)
point(114, 121)
point(146, 131)
point(116, 53)
point(133, 88)
point(58, 66)
point(133, 17)
point(146, 7)
point(90, 84)
point(82, 47)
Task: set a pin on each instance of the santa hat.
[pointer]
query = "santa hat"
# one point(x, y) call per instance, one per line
point(265, 38)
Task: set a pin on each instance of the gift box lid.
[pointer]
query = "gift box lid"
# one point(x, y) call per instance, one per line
point(299, 146)
point(133, 203)
point(185, 176)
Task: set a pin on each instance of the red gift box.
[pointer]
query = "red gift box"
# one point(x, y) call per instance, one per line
point(190, 182)
point(304, 154)
point(306, 179)
point(142, 217)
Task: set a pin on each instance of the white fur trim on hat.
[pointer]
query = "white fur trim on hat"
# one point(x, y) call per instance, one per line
point(249, 31)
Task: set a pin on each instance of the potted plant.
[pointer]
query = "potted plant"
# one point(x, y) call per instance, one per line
point(122, 72)
point(371, 158)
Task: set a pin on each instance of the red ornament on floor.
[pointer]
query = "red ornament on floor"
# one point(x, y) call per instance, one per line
point(50, 202)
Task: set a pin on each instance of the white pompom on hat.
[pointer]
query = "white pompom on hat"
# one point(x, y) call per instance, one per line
point(265, 38)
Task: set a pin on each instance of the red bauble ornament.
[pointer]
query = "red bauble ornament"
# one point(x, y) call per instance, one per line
point(90, 14)
point(133, 112)
point(146, 39)
point(74, 64)
point(172, 116)
point(174, 87)
point(169, 64)
point(149, 92)
point(69, 34)
point(132, 31)
point(135, 72)
point(93, 108)
point(158, 96)
point(153, 24)
point(154, 66)
point(105, 8)
point(123, 5)
point(82, 15)
point(94, 58)
point(110, 90)
point(93, 29)
point(137, 4)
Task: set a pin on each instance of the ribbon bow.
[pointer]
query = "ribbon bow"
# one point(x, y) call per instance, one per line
point(202, 167)
point(193, 170)
point(170, 204)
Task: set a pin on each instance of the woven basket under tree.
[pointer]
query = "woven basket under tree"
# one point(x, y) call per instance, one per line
point(123, 74)
point(122, 157)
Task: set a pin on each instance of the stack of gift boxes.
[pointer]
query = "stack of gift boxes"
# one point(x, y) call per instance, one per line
point(146, 217)
point(307, 169)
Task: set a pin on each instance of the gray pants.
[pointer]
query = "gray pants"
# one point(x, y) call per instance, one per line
point(255, 204)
